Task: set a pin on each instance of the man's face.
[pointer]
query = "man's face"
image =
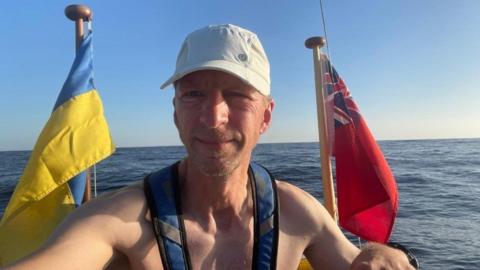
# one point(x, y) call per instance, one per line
point(219, 119)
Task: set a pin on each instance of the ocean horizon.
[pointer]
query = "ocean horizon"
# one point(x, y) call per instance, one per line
point(438, 183)
point(279, 142)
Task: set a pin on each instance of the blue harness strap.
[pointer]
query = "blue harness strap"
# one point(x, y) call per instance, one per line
point(161, 191)
point(266, 222)
point(163, 197)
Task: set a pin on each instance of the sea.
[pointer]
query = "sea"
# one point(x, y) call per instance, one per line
point(438, 183)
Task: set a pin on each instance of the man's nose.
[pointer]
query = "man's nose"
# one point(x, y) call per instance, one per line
point(215, 111)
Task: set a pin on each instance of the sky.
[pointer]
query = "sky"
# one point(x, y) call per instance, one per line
point(412, 66)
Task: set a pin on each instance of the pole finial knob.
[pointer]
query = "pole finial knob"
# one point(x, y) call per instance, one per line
point(315, 42)
point(76, 12)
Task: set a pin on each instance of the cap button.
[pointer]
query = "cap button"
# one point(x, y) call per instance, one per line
point(243, 57)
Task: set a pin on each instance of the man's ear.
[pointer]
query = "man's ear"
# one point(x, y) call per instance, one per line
point(267, 116)
point(175, 119)
point(174, 113)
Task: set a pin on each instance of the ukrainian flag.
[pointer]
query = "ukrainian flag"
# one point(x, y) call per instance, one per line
point(75, 137)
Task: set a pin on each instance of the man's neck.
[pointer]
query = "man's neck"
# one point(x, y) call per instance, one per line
point(215, 199)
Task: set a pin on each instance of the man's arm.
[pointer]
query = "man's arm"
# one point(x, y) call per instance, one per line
point(328, 247)
point(86, 239)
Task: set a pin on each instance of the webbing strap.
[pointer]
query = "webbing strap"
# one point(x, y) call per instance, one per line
point(168, 231)
point(265, 250)
point(266, 226)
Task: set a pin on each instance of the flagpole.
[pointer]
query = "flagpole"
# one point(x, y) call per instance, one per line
point(316, 43)
point(80, 14)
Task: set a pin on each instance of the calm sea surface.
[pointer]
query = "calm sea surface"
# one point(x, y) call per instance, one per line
point(438, 181)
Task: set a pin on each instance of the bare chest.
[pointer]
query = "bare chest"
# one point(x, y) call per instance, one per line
point(225, 249)
point(230, 249)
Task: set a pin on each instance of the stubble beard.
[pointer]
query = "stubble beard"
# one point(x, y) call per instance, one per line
point(215, 164)
point(216, 167)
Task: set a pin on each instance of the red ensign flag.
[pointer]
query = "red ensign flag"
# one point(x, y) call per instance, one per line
point(366, 189)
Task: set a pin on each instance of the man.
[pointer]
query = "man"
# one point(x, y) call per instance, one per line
point(207, 209)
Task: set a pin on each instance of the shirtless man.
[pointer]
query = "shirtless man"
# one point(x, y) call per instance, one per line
point(222, 105)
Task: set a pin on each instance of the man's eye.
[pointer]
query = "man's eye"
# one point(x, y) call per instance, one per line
point(236, 94)
point(194, 93)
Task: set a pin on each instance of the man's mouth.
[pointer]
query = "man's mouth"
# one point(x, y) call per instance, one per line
point(211, 141)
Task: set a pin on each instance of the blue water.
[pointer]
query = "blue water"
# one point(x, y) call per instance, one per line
point(438, 181)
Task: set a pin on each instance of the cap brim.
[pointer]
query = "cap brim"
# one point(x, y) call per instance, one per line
point(244, 74)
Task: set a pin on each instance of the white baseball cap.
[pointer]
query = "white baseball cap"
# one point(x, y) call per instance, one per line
point(226, 48)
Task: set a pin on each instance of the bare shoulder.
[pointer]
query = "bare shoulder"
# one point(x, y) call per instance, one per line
point(121, 200)
point(108, 213)
point(300, 209)
point(120, 203)
point(303, 215)
point(128, 192)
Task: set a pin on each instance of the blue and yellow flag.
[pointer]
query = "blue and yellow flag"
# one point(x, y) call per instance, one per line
point(75, 137)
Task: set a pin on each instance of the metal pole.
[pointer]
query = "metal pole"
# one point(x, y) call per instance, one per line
point(315, 43)
point(80, 14)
